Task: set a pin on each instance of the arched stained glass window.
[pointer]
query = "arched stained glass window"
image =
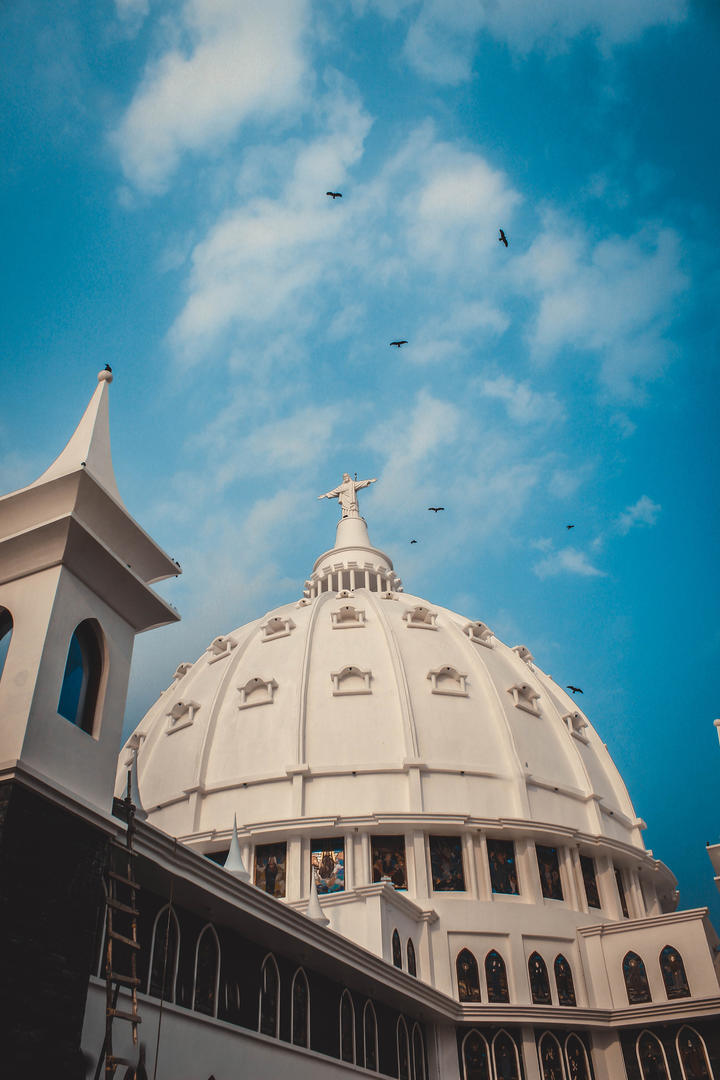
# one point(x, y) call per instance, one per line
point(476, 1057)
point(673, 973)
point(411, 961)
point(207, 972)
point(396, 950)
point(550, 1055)
point(693, 1055)
point(164, 955)
point(230, 1001)
point(651, 1057)
point(505, 1057)
point(370, 1038)
point(269, 1008)
point(403, 1050)
point(6, 629)
point(539, 982)
point(300, 1009)
point(418, 1054)
point(467, 976)
point(636, 982)
point(81, 680)
point(347, 1027)
point(496, 978)
point(564, 981)
point(576, 1059)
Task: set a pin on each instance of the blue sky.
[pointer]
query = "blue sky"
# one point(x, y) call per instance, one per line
point(163, 202)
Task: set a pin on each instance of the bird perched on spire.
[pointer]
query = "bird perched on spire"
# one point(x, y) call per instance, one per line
point(108, 368)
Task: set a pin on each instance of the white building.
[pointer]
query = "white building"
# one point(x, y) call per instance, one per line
point(447, 876)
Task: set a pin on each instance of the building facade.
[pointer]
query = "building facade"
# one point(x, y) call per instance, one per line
point(370, 836)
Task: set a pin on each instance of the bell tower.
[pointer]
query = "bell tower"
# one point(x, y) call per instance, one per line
point(75, 577)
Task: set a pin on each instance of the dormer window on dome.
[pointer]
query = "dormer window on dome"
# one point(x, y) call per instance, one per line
point(524, 653)
point(525, 698)
point(347, 616)
point(181, 671)
point(257, 691)
point(220, 648)
point(132, 746)
point(480, 633)
point(421, 618)
point(351, 680)
point(181, 715)
point(576, 724)
point(448, 680)
point(277, 628)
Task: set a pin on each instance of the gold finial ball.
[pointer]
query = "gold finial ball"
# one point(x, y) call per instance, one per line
point(105, 376)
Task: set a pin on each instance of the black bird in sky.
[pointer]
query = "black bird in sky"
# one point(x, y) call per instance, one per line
point(108, 368)
point(398, 343)
point(575, 689)
point(413, 541)
point(436, 509)
point(502, 238)
point(334, 195)
point(569, 526)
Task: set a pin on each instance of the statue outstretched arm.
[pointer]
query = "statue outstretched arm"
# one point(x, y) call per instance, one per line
point(365, 483)
point(330, 494)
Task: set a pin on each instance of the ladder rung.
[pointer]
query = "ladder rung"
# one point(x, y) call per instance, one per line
point(126, 980)
point(124, 880)
point(125, 940)
point(132, 1017)
point(119, 906)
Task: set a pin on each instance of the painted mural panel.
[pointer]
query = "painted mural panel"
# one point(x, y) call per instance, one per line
point(503, 873)
point(388, 860)
point(446, 864)
point(270, 868)
point(327, 858)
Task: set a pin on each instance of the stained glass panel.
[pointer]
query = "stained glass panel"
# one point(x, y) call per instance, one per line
point(652, 1059)
point(673, 973)
point(164, 957)
point(411, 961)
point(549, 867)
point(636, 983)
point(347, 1028)
point(269, 991)
point(206, 973)
point(327, 859)
point(576, 1059)
point(370, 1024)
point(621, 894)
point(550, 1058)
point(587, 865)
point(496, 978)
point(505, 1057)
point(564, 981)
point(446, 864)
point(693, 1055)
point(403, 1049)
point(300, 1014)
point(503, 873)
point(388, 860)
point(539, 982)
point(396, 949)
point(476, 1059)
point(270, 868)
point(467, 976)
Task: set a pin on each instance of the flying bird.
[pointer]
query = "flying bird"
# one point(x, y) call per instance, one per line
point(436, 509)
point(398, 343)
point(334, 195)
point(413, 541)
point(569, 526)
point(502, 238)
point(108, 368)
point(575, 689)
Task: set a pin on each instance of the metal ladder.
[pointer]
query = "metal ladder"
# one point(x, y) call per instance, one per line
point(121, 915)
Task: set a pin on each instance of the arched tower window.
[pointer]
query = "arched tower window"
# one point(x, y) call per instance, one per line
point(6, 629)
point(673, 973)
point(539, 982)
point(576, 1058)
point(564, 981)
point(496, 978)
point(505, 1057)
point(347, 1027)
point(300, 1009)
point(467, 976)
point(396, 950)
point(269, 1007)
point(411, 961)
point(403, 1050)
point(207, 972)
point(636, 982)
point(164, 955)
point(370, 1036)
point(693, 1055)
point(418, 1054)
point(475, 1057)
point(83, 672)
point(651, 1057)
point(550, 1055)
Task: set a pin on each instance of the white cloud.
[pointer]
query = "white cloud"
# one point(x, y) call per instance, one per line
point(567, 561)
point(523, 404)
point(243, 61)
point(643, 512)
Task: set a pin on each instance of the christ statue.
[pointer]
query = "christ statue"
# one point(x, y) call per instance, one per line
point(346, 494)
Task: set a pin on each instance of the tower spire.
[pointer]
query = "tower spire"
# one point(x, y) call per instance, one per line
point(89, 446)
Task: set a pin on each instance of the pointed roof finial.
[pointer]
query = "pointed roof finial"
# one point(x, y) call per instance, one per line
point(314, 911)
point(89, 445)
point(234, 862)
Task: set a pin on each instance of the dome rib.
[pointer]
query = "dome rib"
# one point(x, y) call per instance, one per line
point(406, 710)
point(305, 675)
